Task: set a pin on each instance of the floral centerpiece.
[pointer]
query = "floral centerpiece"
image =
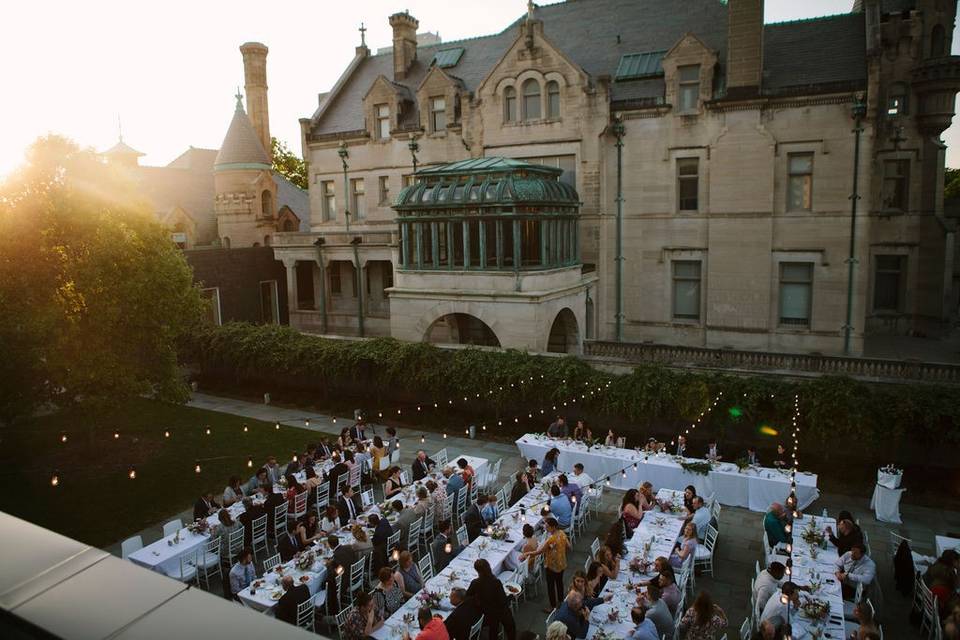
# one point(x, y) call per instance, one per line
point(603, 635)
point(815, 609)
point(701, 467)
point(742, 464)
point(613, 615)
point(545, 486)
point(812, 535)
point(667, 506)
point(815, 582)
point(283, 482)
point(498, 532)
point(198, 526)
point(453, 577)
point(386, 508)
point(306, 560)
point(892, 470)
point(639, 564)
point(430, 599)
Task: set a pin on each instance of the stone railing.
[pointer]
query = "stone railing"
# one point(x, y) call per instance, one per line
point(872, 369)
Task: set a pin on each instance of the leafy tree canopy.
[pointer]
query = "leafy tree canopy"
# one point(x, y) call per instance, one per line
point(94, 294)
point(288, 164)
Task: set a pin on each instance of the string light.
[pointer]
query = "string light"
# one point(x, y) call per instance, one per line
point(423, 438)
point(63, 437)
point(208, 430)
point(55, 479)
point(196, 469)
point(306, 422)
point(277, 426)
point(245, 429)
point(116, 435)
point(132, 474)
point(166, 434)
point(249, 462)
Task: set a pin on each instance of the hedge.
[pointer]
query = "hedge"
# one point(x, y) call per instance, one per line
point(387, 370)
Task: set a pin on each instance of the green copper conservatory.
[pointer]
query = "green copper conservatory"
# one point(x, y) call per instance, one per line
point(488, 214)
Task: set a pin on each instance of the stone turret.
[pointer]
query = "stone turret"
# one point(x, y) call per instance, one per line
point(255, 85)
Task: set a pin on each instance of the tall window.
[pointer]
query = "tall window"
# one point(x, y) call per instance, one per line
point(509, 104)
point(688, 90)
point(438, 114)
point(888, 279)
point(266, 204)
point(937, 41)
point(336, 285)
point(531, 100)
point(796, 292)
point(383, 182)
point(688, 183)
point(897, 99)
point(896, 174)
point(686, 289)
point(358, 204)
point(553, 99)
point(329, 200)
point(799, 181)
point(383, 121)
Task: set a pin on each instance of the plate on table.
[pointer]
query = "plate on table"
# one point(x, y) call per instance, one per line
point(512, 588)
point(276, 595)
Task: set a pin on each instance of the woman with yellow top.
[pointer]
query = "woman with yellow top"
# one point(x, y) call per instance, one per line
point(554, 549)
point(377, 453)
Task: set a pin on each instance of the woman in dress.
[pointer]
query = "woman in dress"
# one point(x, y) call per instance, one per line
point(688, 495)
point(312, 481)
point(611, 439)
point(630, 511)
point(596, 581)
point(331, 520)
point(704, 620)
point(309, 529)
point(609, 563)
point(361, 544)
point(646, 496)
point(344, 440)
point(686, 547)
point(293, 490)
point(393, 485)
point(550, 461)
point(226, 527)
point(363, 619)
point(233, 492)
point(388, 594)
point(529, 544)
point(409, 574)
point(581, 432)
point(554, 549)
point(377, 452)
point(614, 540)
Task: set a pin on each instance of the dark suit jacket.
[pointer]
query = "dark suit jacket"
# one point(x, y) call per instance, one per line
point(246, 519)
point(343, 556)
point(519, 490)
point(490, 600)
point(460, 620)
point(356, 433)
point(200, 509)
point(344, 510)
point(272, 502)
point(440, 556)
point(323, 450)
point(288, 548)
point(473, 520)
point(339, 473)
point(287, 605)
point(421, 468)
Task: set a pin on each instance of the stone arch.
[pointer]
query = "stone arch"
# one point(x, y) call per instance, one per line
point(564, 333)
point(478, 311)
point(266, 203)
point(461, 328)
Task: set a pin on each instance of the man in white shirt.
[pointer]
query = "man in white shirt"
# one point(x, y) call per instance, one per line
point(768, 582)
point(242, 573)
point(701, 517)
point(579, 477)
point(681, 445)
point(854, 567)
point(776, 610)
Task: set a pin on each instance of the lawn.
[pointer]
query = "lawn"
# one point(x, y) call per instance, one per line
point(95, 500)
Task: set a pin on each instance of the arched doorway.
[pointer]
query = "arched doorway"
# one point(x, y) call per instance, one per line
point(564, 334)
point(461, 328)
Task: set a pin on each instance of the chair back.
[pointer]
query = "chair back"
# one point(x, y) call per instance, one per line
point(710, 538)
point(462, 501)
point(462, 536)
point(440, 457)
point(355, 477)
point(501, 501)
point(474, 492)
point(356, 575)
point(493, 476)
point(130, 545)
point(280, 518)
point(342, 621)
point(270, 563)
point(745, 629)
point(896, 540)
point(404, 478)
point(259, 529)
point(305, 615)
point(300, 504)
point(476, 629)
point(172, 527)
point(621, 442)
point(594, 547)
point(448, 513)
point(366, 498)
point(551, 617)
point(323, 496)
point(426, 567)
point(413, 534)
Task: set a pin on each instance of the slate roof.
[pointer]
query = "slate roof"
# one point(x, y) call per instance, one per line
point(587, 31)
point(241, 145)
point(290, 195)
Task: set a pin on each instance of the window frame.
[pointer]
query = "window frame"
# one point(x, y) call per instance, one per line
point(676, 280)
point(532, 82)
point(684, 85)
point(553, 91)
point(335, 278)
point(901, 273)
point(217, 310)
point(902, 177)
point(681, 178)
point(358, 199)
point(510, 104)
point(789, 323)
point(435, 127)
point(807, 183)
point(381, 114)
point(383, 189)
point(328, 200)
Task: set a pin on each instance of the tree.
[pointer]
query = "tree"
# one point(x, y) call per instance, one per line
point(951, 189)
point(94, 294)
point(288, 164)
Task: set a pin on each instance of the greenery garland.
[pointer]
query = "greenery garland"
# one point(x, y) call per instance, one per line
point(702, 468)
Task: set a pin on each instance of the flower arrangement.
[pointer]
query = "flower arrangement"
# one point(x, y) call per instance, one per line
point(614, 615)
point(742, 464)
point(306, 560)
point(453, 577)
point(430, 598)
point(667, 506)
point(815, 609)
point(812, 535)
point(815, 582)
point(603, 635)
point(386, 508)
point(639, 564)
point(891, 469)
point(198, 526)
point(702, 467)
point(498, 532)
point(545, 486)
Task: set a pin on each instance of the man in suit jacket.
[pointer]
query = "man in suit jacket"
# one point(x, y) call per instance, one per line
point(288, 545)
point(273, 501)
point(205, 506)
point(405, 518)
point(358, 430)
point(463, 616)
point(681, 445)
point(293, 596)
point(445, 546)
point(473, 518)
point(338, 474)
point(250, 513)
point(751, 456)
point(381, 531)
point(324, 450)
point(273, 469)
point(348, 505)
point(422, 466)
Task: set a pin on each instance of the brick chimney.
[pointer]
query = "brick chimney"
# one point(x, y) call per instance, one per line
point(744, 47)
point(404, 43)
point(255, 85)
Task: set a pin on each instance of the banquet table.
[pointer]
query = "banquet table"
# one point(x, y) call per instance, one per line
point(944, 543)
point(164, 555)
point(755, 488)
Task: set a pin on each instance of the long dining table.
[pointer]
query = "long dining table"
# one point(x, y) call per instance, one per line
point(753, 488)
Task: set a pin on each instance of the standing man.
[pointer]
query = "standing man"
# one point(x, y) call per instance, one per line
point(558, 429)
point(358, 430)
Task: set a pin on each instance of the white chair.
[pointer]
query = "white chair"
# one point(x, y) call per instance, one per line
point(586, 564)
point(426, 528)
point(930, 619)
point(230, 547)
point(356, 578)
point(131, 544)
point(745, 631)
point(551, 616)
point(393, 541)
point(258, 537)
point(270, 563)
point(448, 513)
point(579, 521)
point(355, 476)
point(299, 506)
point(323, 497)
point(413, 538)
point(440, 457)
point(501, 501)
point(305, 615)
point(172, 527)
point(426, 567)
point(366, 498)
point(594, 547)
point(186, 569)
point(476, 629)
point(404, 478)
point(279, 521)
point(462, 536)
point(703, 556)
point(342, 621)
point(208, 562)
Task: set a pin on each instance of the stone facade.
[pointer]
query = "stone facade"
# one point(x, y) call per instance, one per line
point(736, 173)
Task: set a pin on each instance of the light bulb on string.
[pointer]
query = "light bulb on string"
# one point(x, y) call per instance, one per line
point(132, 473)
point(277, 426)
point(196, 469)
point(444, 435)
point(484, 427)
point(398, 411)
point(63, 437)
point(245, 428)
point(423, 438)
point(55, 479)
point(166, 434)
point(116, 435)
point(208, 430)
point(418, 407)
point(306, 422)
point(249, 462)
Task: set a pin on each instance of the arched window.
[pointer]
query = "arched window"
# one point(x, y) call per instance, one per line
point(225, 242)
point(553, 99)
point(937, 42)
point(509, 104)
point(266, 204)
point(531, 100)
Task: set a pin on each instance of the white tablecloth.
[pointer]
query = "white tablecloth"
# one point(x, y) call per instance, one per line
point(754, 489)
point(944, 543)
point(885, 503)
point(164, 556)
point(889, 480)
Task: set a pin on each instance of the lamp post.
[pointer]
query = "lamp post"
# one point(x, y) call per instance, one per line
point(858, 111)
point(344, 154)
point(414, 147)
point(618, 131)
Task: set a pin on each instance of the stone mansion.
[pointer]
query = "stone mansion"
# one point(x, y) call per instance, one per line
point(635, 170)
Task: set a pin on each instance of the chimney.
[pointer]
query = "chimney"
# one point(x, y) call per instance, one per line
point(255, 85)
point(404, 43)
point(744, 47)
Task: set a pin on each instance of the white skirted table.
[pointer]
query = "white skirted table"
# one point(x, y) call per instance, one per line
point(885, 501)
point(754, 488)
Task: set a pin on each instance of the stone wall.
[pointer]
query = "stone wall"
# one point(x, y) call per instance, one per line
point(237, 273)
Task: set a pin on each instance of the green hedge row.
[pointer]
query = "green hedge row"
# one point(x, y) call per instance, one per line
point(651, 397)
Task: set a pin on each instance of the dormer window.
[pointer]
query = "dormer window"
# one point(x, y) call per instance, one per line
point(383, 121)
point(510, 104)
point(688, 87)
point(553, 100)
point(531, 100)
point(438, 114)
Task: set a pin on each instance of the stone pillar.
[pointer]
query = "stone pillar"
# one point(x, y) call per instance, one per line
point(545, 248)
point(465, 227)
point(291, 267)
point(320, 291)
point(483, 243)
point(516, 245)
point(255, 84)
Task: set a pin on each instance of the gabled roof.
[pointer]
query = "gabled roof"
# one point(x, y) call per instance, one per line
point(296, 199)
point(241, 148)
point(122, 149)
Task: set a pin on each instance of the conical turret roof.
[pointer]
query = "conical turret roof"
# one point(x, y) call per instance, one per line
point(241, 148)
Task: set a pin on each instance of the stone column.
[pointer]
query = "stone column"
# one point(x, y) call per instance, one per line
point(320, 291)
point(483, 243)
point(291, 267)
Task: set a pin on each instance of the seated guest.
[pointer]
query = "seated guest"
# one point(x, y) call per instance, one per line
point(646, 497)
point(556, 631)
point(774, 526)
point(573, 491)
point(614, 540)
point(751, 456)
point(681, 446)
point(422, 466)
point(571, 613)
point(338, 474)
point(579, 477)
point(273, 470)
point(581, 432)
point(466, 471)
point(256, 482)
point(630, 511)
point(359, 430)
point(657, 610)
point(343, 556)
point(454, 482)
point(288, 545)
point(645, 629)
point(611, 439)
point(855, 567)
point(227, 526)
point(864, 624)
point(701, 517)
point(205, 506)
point(489, 510)
point(361, 543)
point(331, 520)
point(769, 631)
point(293, 597)
point(781, 459)
point(550, 461)
point(533, 472)
point(243, 572)
point(324, 450)
point(848, 534)
point(595, 582)
point(405, 517)
point(393, 485)
point(713, 451)
point(669, 590)
point(704, 619)
point(558, 428)
point(345, 440)
point(463, 616)
point(250, 513)
point(445, 547)
point(520, 489)
point(309, 529)
point(388, 594)
point(487, 591)
point(347, 505)
point(408, 572)
point(270, 505)
point(473, 518)
point(942, 578)
point(292, 467)
point(686, 548)
point(422, 504)
point(431, 626)
point(362, 620)
point(438, 500)
point(560, 507)
point(609, 562)
point(381, 531)
point(652, 446)
point(530, 544)
point(768, 582)
point(775, 610)
point(233, 492)
point(689, 493)
point(312, 481)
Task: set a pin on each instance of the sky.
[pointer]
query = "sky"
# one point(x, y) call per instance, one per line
point(168, 70)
